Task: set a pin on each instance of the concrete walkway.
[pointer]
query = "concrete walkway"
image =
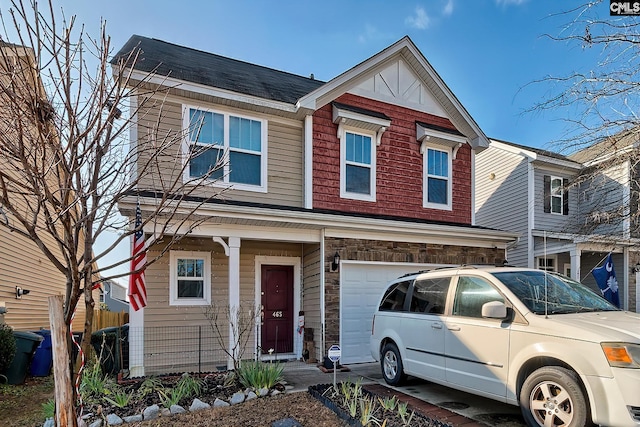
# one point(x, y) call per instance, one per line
point(447, 405)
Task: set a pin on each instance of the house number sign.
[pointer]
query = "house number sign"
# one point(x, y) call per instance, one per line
point(277, 314)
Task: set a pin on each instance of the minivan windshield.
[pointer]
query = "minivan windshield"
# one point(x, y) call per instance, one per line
point(562, 295)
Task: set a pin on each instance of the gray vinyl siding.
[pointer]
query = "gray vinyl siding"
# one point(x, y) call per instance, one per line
point(285, 153)
point(601, 199)
point(501, 202)
point(551, 221)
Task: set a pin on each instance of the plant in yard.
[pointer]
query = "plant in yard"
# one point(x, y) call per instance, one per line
point(388, 403)
point(49, 408)
point(259, 375)
point(352, 406)
point(367, 411)
point(7, 346)
point(240, 320)
point(94, 384)
point(190, 386)
point(403, 413)
point(170, 397)
point(148, 386)
point(121, 398)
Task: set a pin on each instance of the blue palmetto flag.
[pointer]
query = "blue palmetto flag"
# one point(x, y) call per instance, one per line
point(606, 279)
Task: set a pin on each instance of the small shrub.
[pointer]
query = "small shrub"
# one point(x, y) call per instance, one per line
point(49, 409)
point(7, 346)
point(170, 397)
point(149, 385)
point(259, 375)
point(190, 386)
point(120, 399)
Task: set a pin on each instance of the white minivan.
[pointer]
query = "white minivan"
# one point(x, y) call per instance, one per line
point(526, 337)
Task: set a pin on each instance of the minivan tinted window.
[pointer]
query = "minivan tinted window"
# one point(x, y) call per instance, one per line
point(430, 295)
point(394, 297)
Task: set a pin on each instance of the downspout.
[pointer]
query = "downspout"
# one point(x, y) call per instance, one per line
point(531, 182)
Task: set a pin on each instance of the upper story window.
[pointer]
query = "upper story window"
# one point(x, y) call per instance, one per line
point(357, 166)
point(439, 148)
point(360, 132)
point(229, 149)
point(556, 196)
point(190, 278)
point(437, 181)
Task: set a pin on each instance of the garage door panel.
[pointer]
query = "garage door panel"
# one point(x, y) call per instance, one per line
point(361, 288)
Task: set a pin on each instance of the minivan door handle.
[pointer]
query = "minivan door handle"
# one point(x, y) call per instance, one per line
point(453, 328)
point(436, 326)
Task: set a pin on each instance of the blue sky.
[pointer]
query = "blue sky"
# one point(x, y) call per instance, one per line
point(487, 51)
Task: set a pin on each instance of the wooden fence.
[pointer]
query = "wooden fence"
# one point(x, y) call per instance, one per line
point(105, 319)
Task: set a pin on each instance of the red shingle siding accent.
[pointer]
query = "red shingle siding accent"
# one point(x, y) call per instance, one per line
point(399, 166)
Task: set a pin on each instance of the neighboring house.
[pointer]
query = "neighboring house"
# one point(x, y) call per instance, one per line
point(22, 263)
point(114, 296)
point(332, 189)
point(557, 213)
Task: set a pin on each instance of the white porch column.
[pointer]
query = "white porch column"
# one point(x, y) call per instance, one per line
point(136, 343)
point(575, 263)
point(234, 291)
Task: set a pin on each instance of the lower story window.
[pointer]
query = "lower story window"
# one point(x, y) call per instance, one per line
point(190, 278)
point(547, 264)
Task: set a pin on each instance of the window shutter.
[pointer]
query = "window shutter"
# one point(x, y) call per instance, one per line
point(547, 194)
point(565, 196)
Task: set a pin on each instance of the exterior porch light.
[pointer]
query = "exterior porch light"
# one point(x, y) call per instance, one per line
point(636, 269)
point(336, 262)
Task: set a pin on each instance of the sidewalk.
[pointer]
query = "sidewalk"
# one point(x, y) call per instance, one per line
point(300, 377)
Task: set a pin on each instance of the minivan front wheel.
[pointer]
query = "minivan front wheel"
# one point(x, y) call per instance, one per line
point(552, 396)
point(391, 364)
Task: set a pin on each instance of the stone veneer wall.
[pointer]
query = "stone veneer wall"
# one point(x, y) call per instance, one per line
point(384, 251)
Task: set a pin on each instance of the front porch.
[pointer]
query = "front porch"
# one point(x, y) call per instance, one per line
point(576, 256)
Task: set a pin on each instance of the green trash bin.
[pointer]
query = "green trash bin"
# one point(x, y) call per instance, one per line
point(26, 344)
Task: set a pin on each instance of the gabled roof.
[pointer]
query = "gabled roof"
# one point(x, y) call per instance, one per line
point(407, 50)
point(537, 154)
point(604, 149)
point(195, 66)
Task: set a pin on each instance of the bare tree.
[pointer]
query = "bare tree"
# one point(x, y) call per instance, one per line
point(600, 106)
point(65, 161)
point(239, 322)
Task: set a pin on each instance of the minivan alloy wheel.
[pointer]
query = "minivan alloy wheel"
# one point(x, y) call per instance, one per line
point(392, 369)
point(552, 397)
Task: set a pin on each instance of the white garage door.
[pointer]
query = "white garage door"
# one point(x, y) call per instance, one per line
point(361, 288)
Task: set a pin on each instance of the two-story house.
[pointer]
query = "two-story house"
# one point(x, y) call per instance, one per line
point(544, 197)
point(27, 276)
point(329, 190)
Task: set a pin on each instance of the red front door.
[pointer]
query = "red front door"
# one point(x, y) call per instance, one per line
point(277, 308)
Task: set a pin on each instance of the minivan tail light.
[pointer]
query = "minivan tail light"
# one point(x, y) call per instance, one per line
point(373, 321)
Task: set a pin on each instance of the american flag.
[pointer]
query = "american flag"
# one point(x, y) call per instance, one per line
point(137, 290)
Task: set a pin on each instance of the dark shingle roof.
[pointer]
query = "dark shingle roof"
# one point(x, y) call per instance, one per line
point(208, 69)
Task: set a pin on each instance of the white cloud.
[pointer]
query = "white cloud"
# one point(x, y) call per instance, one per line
point(420, 20)
point(448, 8)
point(510, 2)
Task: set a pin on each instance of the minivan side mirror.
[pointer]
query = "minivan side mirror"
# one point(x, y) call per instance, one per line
point(494, 310)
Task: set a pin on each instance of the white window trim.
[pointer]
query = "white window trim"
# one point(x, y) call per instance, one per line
point(561, 196)
point(173, 278)
point(425, 181)
point(551, 257)
point(344, 194)
point(224, 183)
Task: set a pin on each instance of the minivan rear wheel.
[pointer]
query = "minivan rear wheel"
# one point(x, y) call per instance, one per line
point(552, 396)
point(391, 365)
